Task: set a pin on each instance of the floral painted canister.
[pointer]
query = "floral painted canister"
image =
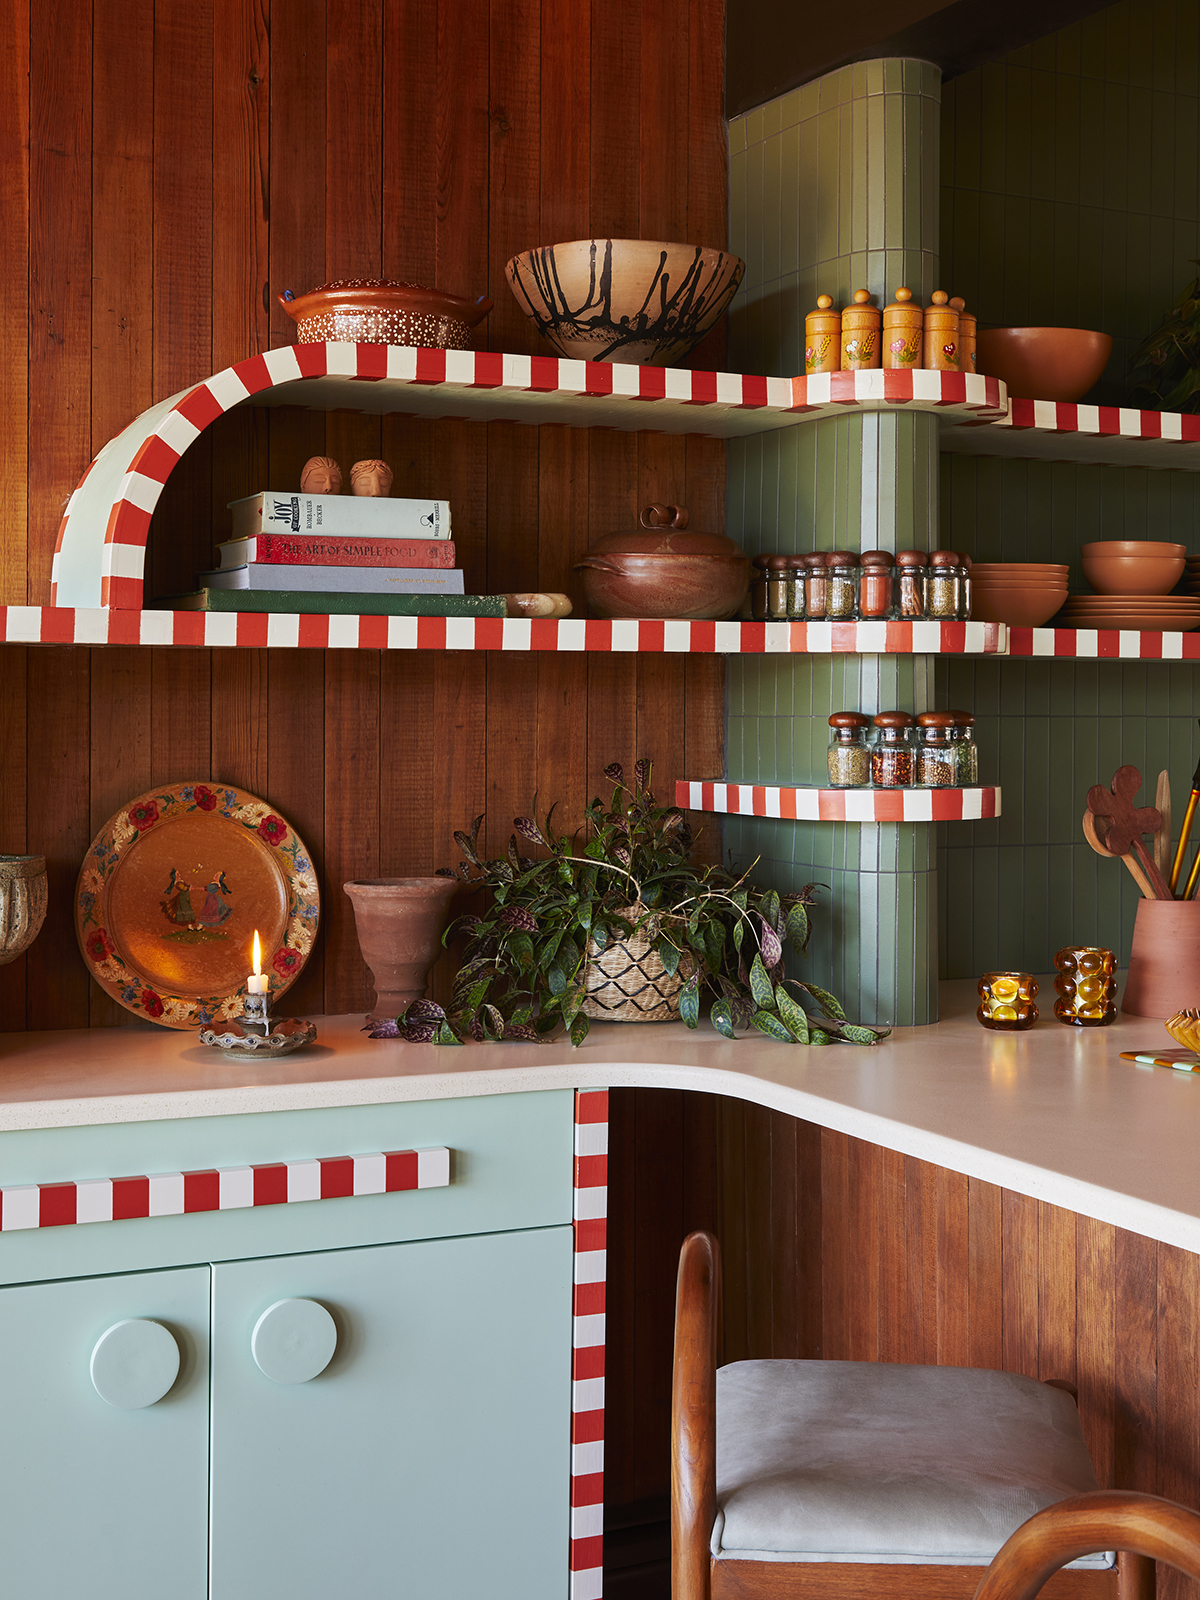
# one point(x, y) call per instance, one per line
point(1006, 1001)
point(822, 338)
point(860, 334)
point(903, 332)
point(941, 334)
point(1086, 986)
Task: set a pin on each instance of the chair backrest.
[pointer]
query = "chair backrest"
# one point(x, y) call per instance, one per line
point(1109, 1519)
point(694, 1415)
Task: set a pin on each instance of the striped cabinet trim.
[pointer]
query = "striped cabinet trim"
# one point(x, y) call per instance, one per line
point(587, 1371)
point(840, 805)
point(174, 1194)
point(1104, 644)
point(257, 630)
point(1050, 430)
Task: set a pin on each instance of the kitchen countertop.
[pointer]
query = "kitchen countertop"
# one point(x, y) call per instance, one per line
point(1053, 1113)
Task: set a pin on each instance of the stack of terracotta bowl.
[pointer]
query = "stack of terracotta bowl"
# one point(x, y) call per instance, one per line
point(1191, 574)
point(1025, 594)
point(1133, 579)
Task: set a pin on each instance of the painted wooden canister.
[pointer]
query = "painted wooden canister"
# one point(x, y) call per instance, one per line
point(903, 332)
point(860, 333)
point(822, 338)
point(966, 335)
point(941, 334)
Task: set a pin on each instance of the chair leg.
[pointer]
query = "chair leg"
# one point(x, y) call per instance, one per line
point(1136, 1578)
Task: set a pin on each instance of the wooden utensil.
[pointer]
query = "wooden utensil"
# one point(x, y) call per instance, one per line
point(1093, 832)
point(1185, 831)
point(1162, 839)
point(1128, 822)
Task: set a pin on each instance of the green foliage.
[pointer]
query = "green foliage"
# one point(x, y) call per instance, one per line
point(625, 871)
point(1166, 366)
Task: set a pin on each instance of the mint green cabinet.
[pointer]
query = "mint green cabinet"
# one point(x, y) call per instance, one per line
point(431, 1456)
point(99, 1499)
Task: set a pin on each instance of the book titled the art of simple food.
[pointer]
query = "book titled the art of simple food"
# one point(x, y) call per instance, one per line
point(314, 550)
point(359, 516)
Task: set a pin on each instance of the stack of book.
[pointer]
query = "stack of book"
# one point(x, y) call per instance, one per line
point(339, 553)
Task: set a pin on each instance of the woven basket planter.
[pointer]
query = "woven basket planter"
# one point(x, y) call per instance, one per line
point(626, 981)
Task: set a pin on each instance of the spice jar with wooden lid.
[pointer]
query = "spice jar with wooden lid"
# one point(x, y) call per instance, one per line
point(903, 332)
point(891, 756)
point(944, 586)
point(822, 338)
point(966, 751)
point(909, 589)
point(778, 577)
point(816, 587)
point(941, 334)
point(797, 566)
point(860, 334)
point(966, 335)
point(875, 585)
point(849, 757)
point(841, 575)
point(936, 765)
point(758, 589)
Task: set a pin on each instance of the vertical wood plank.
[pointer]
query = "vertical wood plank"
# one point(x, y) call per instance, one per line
point(787, 1247)
point(1178, 1421)
point(296, 765)
point(1057, 1247)
point(985, 1292)
point(1095, 1349)
point(862, 1288)
point(838, 1245)
point(894, 1342)
point(1020, 1223)
point(15, 263)
point(14, 724)
point(1135, 1463)
point(351, 816)
point(953, 1343)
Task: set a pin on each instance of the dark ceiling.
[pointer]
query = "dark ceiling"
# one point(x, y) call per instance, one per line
point(771, 46)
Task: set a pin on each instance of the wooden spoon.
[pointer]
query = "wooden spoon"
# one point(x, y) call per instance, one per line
point(1128, 822)
point(1162, 839)
point(1094, 829)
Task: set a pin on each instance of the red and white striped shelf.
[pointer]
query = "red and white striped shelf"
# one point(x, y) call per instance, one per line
point(1103, 644)
point(251, 630)
point(588, 1344)
point(100, 557)
point(1049, 430)
point(840, 805)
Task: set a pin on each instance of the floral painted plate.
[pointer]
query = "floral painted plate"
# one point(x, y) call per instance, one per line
point(172, 892)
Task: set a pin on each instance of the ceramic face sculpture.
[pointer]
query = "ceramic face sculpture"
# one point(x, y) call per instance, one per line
point(321, 475)
point(371, 478)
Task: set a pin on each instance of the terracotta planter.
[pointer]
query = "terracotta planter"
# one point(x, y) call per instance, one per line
point(400, 923)
point(1164, 964)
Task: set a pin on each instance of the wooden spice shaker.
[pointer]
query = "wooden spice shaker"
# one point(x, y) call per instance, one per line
point(966, 335)
point(941, 334)
point(860, 333)
point(822, 338)
point(903, 332)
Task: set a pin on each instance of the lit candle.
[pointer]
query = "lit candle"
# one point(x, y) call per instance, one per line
point(256, 983)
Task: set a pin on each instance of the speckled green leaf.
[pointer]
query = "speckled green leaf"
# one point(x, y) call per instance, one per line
point(689, 1001)
point(817, 1037)
point(798, 928)
point(722, 1019)
point(792, 1015)
point(668, 954)
point(827, 1002)
point(760, 985)
point(853, 1034)
point(767, 1022)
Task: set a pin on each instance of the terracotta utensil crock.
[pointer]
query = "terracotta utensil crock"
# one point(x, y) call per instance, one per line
point(1164, 964)
point(1044, 363)
point(399, 923)
point(382, 311)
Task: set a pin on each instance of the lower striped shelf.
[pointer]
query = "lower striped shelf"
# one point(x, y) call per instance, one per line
point(840, 805)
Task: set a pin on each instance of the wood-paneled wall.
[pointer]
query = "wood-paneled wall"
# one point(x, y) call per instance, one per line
point(167, 168)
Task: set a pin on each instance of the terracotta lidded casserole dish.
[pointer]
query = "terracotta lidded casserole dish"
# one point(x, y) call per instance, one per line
point(382, 311)
point(665, 570)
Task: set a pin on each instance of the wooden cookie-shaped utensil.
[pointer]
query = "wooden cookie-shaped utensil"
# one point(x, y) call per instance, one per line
point(1128, 822)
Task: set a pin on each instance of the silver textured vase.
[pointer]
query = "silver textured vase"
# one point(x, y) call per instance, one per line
point(22, 903)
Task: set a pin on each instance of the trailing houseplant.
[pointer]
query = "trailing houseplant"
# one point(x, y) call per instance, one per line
point(1166, 365)
point(694, 937)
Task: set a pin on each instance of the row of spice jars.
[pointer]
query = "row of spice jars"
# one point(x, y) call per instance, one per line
point(875, 586)
point(941, 337)
point(935, 750)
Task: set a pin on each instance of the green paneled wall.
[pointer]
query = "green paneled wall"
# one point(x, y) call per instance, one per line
point(1070, 195)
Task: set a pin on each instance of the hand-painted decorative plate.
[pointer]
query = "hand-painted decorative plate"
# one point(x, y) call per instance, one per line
point(172, 891)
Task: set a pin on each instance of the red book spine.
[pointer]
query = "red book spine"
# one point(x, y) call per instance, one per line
point(316, 550)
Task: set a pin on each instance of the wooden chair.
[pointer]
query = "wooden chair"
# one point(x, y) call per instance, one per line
point(1109, 1519)
point(839, 1480)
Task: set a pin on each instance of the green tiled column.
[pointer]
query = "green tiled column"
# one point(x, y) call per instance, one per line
point(834, 187)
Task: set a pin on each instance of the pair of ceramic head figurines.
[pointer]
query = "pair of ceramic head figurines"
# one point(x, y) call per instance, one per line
point(322, 475)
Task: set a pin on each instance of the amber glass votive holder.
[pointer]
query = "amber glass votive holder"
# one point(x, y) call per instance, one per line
point(1086, 986)
point(1006, 1001)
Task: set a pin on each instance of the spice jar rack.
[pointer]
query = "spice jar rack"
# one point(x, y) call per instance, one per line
point(840, 805)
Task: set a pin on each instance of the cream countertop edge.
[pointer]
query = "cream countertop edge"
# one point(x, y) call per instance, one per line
point(1053, 1114)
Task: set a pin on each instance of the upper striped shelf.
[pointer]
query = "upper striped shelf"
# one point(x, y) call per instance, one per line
point(250, 630)
point(1047, 430)
point(1103, 644)
point(101, 551)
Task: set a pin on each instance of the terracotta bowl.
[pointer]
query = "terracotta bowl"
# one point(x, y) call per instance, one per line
point(1132, 574)
point(636, 300)
point(1044, 363)
point(1021, 608)
point(1134, 547)
point(381, 311)
point(705, 587)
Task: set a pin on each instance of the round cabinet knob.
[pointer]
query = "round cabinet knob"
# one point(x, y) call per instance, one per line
point(294, 1341)
point(134, 1363)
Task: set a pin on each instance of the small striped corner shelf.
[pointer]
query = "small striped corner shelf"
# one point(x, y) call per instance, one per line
point(1103, 644)
point(839, 805)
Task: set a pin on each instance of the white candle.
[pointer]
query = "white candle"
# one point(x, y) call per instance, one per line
point(256, 983)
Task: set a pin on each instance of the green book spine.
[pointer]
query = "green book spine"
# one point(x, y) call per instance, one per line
point(320, 604)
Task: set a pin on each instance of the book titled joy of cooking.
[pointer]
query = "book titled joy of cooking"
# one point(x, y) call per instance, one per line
point(365, 516)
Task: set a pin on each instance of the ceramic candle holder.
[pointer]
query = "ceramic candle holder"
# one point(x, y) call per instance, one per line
point(1086, 986)
point(1006, 1001)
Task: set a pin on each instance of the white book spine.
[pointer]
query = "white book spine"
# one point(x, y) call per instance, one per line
point(278, 511)
point(338, 580)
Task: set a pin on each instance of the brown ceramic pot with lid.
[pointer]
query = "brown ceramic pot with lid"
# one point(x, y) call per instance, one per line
point(665, 570)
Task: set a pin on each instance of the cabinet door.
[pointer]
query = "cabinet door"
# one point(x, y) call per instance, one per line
point(431, 1457)
point(96, 1499)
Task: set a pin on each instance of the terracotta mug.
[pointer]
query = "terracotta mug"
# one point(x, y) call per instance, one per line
point(1164, 964)
point(400, 923)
